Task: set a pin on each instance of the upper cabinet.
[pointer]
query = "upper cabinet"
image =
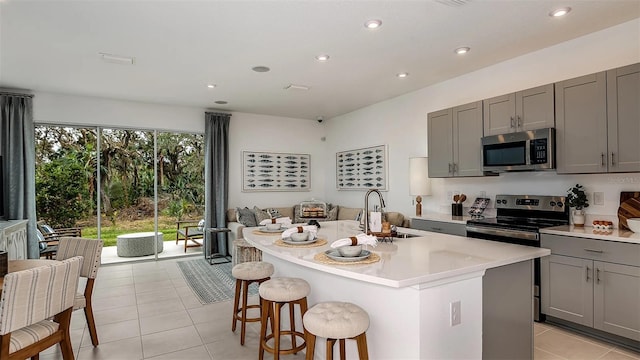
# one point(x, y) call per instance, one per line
point(598, 122)
point(521, 111)
point(455, 141)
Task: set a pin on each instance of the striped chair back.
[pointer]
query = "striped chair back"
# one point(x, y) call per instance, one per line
point(33, 295)
point(90, 249)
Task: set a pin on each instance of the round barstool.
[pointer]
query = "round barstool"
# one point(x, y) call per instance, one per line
point(336, 321)
point(274, 294)
point(245, 274)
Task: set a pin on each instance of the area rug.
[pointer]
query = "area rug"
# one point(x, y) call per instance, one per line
point(211, 283)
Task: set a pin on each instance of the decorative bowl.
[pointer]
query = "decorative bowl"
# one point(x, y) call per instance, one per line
point(350, 250)
point(634, 224)
point(273, 226)
point(303, 236)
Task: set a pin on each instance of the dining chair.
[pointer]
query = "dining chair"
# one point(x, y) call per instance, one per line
point(91, 250)
point(35, 309)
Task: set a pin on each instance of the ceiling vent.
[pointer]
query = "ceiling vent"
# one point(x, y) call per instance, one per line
point(296, 87)
point(454, 3)
point(117, 59)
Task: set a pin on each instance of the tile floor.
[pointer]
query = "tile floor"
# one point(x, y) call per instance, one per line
point(147, 311)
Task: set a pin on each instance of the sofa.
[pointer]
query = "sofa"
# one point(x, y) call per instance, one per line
point(239, 218)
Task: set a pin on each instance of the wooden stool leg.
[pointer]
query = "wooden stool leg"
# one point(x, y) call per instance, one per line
point(276, 334)
point(236, 300)
point(266, 310)
point(343, 352)
point(361, 340)
point(243, 322)
point(330, 343)
point(292, 323)
point(310, 339)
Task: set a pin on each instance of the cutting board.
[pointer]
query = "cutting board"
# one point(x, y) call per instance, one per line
point(629, 207)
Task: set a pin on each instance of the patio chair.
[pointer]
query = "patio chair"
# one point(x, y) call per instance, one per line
point(48, 238)
point(29, 299)
point(91, 250)
point(191, 231)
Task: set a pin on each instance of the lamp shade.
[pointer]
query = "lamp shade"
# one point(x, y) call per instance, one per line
point(419, 182)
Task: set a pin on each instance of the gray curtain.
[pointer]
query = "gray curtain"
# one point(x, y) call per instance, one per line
point(216, 171)
point(18, 161)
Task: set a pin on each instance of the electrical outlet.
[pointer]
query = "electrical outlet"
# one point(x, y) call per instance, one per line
point(598, 198)
point(454, 312)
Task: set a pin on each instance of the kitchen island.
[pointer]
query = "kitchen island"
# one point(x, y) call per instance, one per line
point(409, 294)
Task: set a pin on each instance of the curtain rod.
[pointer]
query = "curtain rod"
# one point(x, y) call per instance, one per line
point(4, 93)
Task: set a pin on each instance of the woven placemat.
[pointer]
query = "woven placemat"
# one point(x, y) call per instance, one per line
point(258, 232)
point(320, 242)
point(323, 258)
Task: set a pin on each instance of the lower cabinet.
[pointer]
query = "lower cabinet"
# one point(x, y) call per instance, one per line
point(579, 287)
point(13, 238)
point(439, 226)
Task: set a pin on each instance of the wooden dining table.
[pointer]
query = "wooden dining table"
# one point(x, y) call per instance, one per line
point(19, 265)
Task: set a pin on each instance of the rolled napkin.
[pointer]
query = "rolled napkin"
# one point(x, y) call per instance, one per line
point(286, 221)
point(360, 239)
point(312, 229)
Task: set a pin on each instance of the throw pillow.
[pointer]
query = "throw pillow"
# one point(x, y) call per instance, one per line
point(274, 213)
point(246, 217)
point(332, 214)
point(260, 214)
point(201, 225)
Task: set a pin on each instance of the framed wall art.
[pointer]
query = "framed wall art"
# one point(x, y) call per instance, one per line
point(361, 169)
point(269, 171)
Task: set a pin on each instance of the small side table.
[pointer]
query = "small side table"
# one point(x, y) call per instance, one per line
point(215, 250)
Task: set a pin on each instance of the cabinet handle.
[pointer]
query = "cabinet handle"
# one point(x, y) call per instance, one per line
point(586, 273)
point(512, 123)
point(594, 251)
point(602, 159)
point(519, 121)
point(613, 160)
point(597, 275)
point(450, 171)
point(455, 168)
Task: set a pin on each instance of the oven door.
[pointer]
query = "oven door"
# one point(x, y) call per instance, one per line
point(514, 236)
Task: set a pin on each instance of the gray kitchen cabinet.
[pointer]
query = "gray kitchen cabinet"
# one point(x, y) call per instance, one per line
point(455, 141)
point(594, 283)
point(13, 238)
point(598, 122)
point(623, 118)
point(520, 111)
point(439, 226)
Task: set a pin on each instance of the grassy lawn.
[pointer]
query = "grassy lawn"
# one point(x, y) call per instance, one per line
point(166, 225)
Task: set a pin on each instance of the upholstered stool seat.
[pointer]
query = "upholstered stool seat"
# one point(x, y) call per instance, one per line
point(336, 321)
point(276, 293)
point(245, 274)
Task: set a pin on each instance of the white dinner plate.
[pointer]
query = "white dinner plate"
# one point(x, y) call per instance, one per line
point(288, 240)
point(264, 229)
point(335, 255)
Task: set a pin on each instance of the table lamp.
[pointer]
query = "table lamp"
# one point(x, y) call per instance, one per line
point(419, 182)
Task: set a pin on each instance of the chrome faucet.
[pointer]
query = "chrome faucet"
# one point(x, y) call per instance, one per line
point(366, 207)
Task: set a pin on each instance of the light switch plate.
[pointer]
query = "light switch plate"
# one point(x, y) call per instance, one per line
point(598, 198)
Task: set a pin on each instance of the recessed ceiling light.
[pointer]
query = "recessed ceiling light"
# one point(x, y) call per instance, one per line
point(373, 24)
point(211, 86)
point(462, 50)
point(402, 75)
point(221, 102)
point(260, 69)
point(560, 12)
point(322, 57)
point(296, 87)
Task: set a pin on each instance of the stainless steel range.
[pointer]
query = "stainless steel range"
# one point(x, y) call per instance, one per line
point(518, 221)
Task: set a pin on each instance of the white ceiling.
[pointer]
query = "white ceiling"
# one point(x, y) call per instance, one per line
point(181, 46)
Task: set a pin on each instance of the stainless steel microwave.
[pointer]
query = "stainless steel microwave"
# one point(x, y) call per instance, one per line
point(519, 151)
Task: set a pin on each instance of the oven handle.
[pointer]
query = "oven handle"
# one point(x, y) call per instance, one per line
point(527, 235)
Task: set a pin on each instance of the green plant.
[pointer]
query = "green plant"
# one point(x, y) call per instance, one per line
point(577, 198)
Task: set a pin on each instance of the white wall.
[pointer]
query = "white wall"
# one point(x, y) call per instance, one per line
point(401, 123)
point(246, 131)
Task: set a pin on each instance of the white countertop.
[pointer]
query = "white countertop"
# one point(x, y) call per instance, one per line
point(407, 261)
point(443, 217)
point(589, 232)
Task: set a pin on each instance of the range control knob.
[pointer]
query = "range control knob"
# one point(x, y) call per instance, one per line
point(552, 204)
point(559, 204)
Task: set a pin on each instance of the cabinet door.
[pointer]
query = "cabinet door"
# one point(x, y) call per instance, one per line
point(581, 124)
point(567, 288)
point(623, 104)
point(439, 227)
point(534, 108)
point(499, 115)
point(440, 145)
point(467, 139)
point(616, 304)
